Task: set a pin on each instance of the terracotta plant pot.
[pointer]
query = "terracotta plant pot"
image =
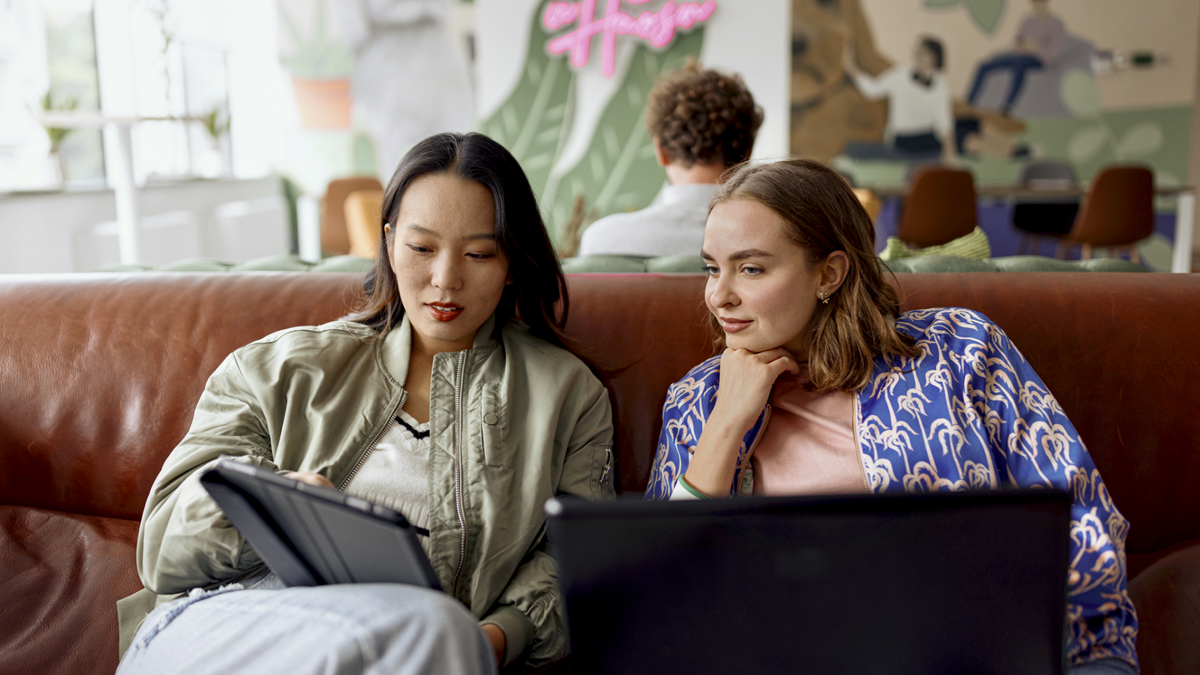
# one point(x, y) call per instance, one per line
point(324, 104)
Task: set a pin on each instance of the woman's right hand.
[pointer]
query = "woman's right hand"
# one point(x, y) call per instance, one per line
point(746, 381)
point(310, 478)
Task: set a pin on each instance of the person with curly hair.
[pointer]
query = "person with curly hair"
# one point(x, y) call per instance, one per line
point(702, 122)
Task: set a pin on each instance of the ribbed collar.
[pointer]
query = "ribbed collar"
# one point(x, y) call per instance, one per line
point(692, 194)
point(397, 346)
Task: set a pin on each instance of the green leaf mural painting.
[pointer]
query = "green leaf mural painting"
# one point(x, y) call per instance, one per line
point(618, 172)
point(535, 121)
point(985, 13)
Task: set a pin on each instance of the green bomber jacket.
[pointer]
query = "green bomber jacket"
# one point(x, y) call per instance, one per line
point(513, 421)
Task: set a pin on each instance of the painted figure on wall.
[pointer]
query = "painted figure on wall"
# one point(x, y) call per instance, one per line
point(827, 110)
point(1027, 81)
point(1039, 42)
point(920, 125)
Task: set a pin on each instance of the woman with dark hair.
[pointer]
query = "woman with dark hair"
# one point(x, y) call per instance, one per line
point(448, 396)
point(824, 386)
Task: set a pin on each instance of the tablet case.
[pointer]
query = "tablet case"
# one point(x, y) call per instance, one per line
point(310, 535)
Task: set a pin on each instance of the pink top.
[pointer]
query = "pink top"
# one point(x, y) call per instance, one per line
point(809, 446)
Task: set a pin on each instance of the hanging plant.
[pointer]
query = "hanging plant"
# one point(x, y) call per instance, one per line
point(57, 134)
point(216, 123)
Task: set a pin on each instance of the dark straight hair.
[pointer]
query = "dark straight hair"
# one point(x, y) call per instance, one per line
point(537, 284)
point(934, 47)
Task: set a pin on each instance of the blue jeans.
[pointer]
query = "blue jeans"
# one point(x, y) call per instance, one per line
point(1017, 62)
point(359, 628)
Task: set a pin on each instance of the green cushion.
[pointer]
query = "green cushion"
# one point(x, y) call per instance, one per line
point(273, 263)
point(974, 245)
point(1107, 265)
point(676, 264)
point(939, 263)
point(345, 263)
point(604, 264)
point(194, 265)
point(1015, 263)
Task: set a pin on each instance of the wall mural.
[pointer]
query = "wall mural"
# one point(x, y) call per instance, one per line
point(1028, 84)
point(618, 172)
point(1020, 102)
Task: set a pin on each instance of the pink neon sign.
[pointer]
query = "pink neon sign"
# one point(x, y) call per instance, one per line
point(658, 28)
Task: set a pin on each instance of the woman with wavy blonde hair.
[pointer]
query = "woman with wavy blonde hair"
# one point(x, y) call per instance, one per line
point(824, 386)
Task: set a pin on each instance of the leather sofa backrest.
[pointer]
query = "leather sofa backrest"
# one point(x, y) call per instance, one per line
point(99, 374)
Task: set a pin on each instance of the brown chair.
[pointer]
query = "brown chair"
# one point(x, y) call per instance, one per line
point(939, 207)
point(334, 237)
point(1044, 216)
point(362, 209)
point(1117, 212)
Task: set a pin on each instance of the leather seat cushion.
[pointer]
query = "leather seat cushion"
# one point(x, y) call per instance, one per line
point(1167, 596)
point(63, 575)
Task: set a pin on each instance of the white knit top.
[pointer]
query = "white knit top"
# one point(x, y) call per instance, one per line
point(395, 473)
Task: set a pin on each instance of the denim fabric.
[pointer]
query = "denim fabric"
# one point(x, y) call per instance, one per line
point(331, 630)
point(1016, 62)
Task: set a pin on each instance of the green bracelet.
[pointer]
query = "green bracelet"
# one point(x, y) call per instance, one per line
point(693, 491)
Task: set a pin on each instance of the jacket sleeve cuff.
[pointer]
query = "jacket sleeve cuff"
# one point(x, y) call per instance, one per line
point(518, 631)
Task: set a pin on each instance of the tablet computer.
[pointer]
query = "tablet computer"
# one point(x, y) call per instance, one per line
point(311, 536)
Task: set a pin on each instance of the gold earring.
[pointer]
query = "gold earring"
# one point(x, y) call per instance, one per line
point(824, 298)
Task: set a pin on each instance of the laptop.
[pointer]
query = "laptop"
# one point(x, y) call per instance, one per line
point(916, 584)
point(310, 535)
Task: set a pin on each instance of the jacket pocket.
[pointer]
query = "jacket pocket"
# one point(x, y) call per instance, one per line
point(491, 425)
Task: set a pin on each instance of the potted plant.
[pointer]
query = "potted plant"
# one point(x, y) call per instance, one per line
point(210, 164)
point(320, 68)
point(57, 134)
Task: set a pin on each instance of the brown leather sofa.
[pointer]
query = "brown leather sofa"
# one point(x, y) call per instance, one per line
point(99, 375)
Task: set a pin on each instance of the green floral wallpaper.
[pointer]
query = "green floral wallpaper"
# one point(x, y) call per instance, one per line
point(618, 172)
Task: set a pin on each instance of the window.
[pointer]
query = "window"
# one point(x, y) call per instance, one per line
point(73, 84)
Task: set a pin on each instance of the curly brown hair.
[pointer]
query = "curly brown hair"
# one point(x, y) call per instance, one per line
point(703, 116)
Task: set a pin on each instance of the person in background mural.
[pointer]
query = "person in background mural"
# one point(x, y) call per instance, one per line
point(1039, 41)
point(919, 123)
point(408, 79)
point(702, 123)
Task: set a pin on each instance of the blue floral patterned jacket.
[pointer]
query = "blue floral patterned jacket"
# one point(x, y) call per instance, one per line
point(968, 413)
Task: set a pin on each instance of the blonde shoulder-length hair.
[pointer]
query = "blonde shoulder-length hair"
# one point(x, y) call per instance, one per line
point(824, 215)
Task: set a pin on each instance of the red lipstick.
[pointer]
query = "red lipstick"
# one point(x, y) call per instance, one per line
point(444, 311)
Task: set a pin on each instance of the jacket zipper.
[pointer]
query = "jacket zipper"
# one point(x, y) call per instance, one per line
point(371, 448)
point(462, 521)
point(762, 431)
point(858, 447)
point(253, 570)
point(607, 466)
